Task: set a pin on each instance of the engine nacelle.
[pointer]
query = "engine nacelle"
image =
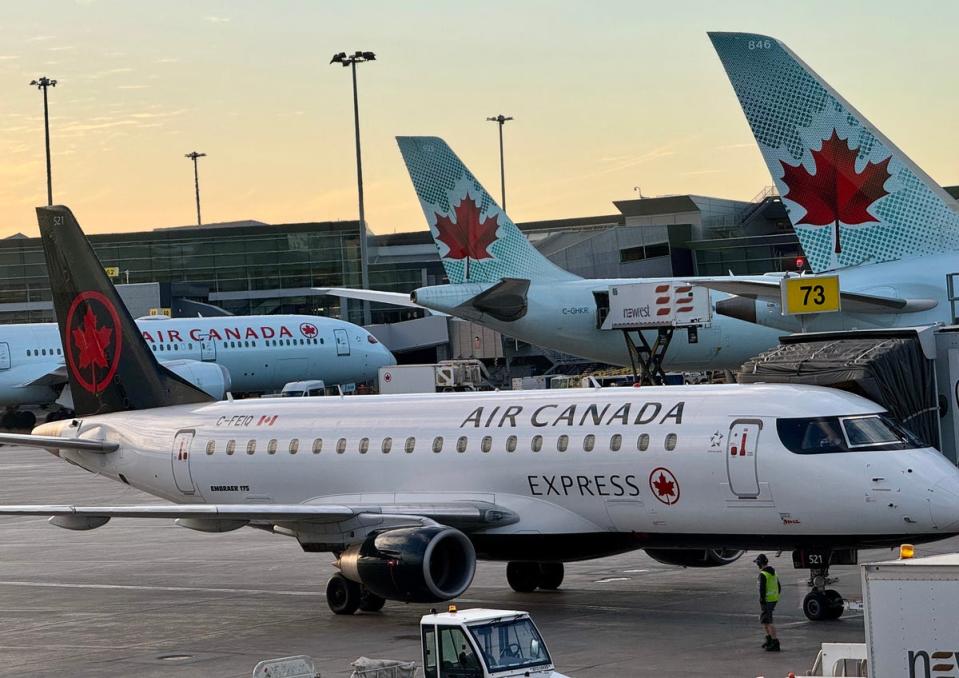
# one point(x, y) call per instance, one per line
point(210, 377)
point(695, 557)
point(412, 564)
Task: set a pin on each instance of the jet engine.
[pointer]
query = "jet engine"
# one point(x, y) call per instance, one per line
point(412, 564)
point(695, 557)
point(210, 377)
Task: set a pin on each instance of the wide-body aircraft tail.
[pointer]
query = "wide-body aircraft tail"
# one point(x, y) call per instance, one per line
point(852, 196)
point(477, 241)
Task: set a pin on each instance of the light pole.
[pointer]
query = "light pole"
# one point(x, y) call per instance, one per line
point(42, 83)
point(501, 120)
point(193, 155)
point(351, 60)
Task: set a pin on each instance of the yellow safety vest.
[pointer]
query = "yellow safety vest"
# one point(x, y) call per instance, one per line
point(772, 586)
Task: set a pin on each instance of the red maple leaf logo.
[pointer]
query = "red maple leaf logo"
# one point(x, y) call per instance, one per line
point(467, 237)
point(836, 193)
point(91, 341)
point(308, 330)
point(664, 488)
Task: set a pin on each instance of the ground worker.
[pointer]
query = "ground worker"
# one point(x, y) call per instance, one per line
point(769, 590)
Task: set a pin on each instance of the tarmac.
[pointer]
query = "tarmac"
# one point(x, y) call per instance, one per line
point(148, 598)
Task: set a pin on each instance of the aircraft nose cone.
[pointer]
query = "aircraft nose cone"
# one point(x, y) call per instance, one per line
point(944, 505)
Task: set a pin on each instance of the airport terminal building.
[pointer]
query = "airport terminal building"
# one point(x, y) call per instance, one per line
point(251, 267)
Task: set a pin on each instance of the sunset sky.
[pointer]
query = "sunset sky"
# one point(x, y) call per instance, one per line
point(606, 96)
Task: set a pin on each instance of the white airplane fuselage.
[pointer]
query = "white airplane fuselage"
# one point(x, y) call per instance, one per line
point(261, 353)
point(620, 468)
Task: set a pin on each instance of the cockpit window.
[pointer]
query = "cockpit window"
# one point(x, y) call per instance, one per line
point(825, 435)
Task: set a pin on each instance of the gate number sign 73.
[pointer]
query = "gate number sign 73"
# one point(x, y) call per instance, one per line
point(810, 294)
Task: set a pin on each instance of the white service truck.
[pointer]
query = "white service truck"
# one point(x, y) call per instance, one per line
point(448, 375)
point(912, 617)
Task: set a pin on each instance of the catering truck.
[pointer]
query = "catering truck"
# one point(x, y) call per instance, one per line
point(911, 611)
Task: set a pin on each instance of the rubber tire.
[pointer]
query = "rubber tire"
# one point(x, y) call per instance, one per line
point(26, 419)
point(370, 602)
point(522, 576)
point(551, 576)
point(342, 595)
point(9, 419)
point(835, 604)
point(816, 606)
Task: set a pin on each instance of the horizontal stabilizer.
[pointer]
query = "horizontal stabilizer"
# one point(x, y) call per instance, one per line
point(853, 302)
point(54, 442)
point(392, 298)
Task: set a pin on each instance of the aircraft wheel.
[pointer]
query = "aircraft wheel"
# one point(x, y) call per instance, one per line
point(9, 419)
point(342, 595)
point(551, 576)
point(26, 419)
point(834, 604)
point(370, 602)
point(816, 606)
point(523, 577)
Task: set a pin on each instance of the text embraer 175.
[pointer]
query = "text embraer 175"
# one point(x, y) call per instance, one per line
point(408, 491)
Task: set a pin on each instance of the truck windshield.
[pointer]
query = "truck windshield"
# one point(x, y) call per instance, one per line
point(824, 435)
point(510, 645)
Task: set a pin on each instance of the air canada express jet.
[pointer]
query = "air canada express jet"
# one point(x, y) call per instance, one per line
point(243, 354)
point(407, 491)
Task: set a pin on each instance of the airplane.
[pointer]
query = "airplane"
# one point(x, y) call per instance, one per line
point(499, 280)
point(860, 207)
point(242, 354)
point(408, 491)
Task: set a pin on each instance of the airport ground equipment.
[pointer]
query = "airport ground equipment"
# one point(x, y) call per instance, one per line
point(444, 376)
point(483, 643)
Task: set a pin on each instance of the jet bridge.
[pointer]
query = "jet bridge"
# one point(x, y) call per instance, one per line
point(638, 309)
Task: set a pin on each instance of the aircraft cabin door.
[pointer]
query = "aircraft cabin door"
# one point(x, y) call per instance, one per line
point(181, 461)
point(4, 355)
point(207, 350)
point(741, 458)
point(342, 342)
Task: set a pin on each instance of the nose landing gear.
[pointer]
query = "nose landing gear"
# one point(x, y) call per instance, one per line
point(823, 603)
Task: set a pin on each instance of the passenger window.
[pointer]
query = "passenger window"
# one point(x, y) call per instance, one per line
point(589, 442)
point(537, 444)
point(671, 442)
point(410, 444)
point(643, 442)
point(294, 446)
point(387, 445)
point(615, 442)
point(438, 444)
point(211, 447)
point(231, 447)
point(562, 443)
point(317, 445)
point(511, 444)
point(486, 444)
point(364, 445)
point(341, 446)
point(461, 443)
point(251, 447)
point(271, 447)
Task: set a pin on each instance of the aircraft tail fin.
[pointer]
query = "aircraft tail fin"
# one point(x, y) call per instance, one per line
point(109, 365)
point(852, 196)
point(477, 241)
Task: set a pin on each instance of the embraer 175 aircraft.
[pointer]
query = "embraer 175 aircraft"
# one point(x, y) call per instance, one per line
point(859, 205)
point(245, 354)
point(408, 491)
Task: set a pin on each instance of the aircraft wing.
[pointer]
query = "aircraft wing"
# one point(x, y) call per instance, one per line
point(45, 374)
point(392, 298)
point(51, 442)
point(464, 514)
point(853, 302)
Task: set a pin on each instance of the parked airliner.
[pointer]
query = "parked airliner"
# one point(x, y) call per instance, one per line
point(498, 279)
point(407, 491)
point(243, 354)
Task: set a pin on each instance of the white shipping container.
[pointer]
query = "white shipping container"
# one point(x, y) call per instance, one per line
point(408, 379)
point(912, 617)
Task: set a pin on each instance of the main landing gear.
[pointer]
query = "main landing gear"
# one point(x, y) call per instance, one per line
point(346, 597)
point(525, 577)
point(822, 603)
